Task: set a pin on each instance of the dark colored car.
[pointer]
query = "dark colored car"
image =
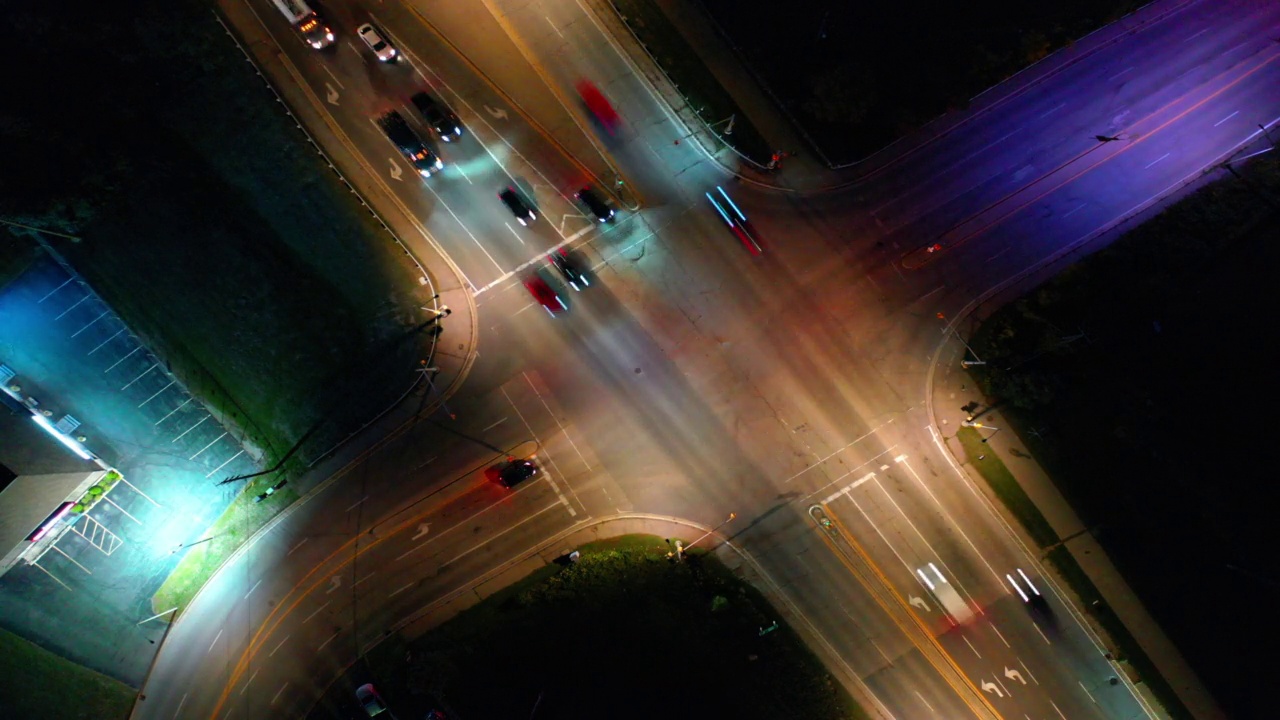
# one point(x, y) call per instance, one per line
point(518, 207)
point(596, 204)
point(545, 296)
point(410, 145)
point(569, 269)
point(370, 700)
point(438, 116)
point(512, 472)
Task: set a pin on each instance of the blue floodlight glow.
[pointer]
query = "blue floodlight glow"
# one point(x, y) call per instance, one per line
point(76, 447)
point(731, 203)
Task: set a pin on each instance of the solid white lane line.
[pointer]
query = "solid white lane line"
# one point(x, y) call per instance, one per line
point(971, 647)
point(557, 419)
point(462, 225)
point(1226, 118)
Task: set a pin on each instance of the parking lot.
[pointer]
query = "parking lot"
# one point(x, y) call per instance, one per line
point(93, 375)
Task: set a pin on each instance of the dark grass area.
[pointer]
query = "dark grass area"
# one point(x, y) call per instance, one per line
point(35, 683)
point(1147, 371)
point(17, 253)
point(1003, 484)
point(692, 78)
point(208, 222)
point(1125, 648)
point(624, 633)
point(856, 76)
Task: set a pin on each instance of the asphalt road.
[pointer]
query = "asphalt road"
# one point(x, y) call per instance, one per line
point(695, 380)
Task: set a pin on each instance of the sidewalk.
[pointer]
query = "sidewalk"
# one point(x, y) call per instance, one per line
point(951, 387)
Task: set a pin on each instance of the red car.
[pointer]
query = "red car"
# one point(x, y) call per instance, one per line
point(545, 296)
point(598, 104)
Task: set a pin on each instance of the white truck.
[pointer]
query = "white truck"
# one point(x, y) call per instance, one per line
point(307, 21)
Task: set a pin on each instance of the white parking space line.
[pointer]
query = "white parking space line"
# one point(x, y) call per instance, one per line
point(73, 560)
point(73, 307)
point(142, 375)
point(171, 412)
point(193, 427)
point(157, 393)
point(104, 342)
point(206, 447)
point(90, 323)
point(126, 512)
point(126, 357)
point(54, 291)
point(233, 457)
point(55, 577)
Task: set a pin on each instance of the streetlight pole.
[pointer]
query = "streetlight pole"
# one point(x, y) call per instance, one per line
point(681, 547)
point(995, 430)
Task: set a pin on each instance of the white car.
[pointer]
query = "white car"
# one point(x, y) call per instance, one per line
point(380, 47)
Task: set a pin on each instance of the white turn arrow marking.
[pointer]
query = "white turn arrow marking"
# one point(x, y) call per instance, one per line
point(498, 113)
point(335, 582)
point(422, 530)
point(1014, 675)
point(919, 602)
point(990, 687)
point(396, 172)
point(332, 95)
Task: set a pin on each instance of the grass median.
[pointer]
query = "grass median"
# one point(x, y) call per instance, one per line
point(622, 624)
point(35, 683)
point(695, 82)
point(1006, 487)
point(237, 523)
